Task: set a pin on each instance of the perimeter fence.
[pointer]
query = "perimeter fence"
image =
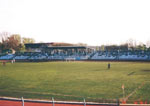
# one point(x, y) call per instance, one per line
point(52, 102)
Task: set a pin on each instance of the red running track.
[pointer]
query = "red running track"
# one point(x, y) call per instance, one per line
point(19, 103)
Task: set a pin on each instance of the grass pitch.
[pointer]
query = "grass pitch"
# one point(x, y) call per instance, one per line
point(76, 80)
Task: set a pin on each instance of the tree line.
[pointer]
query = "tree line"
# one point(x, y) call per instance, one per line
point(129, 45)
point(16, 43)
point(13, 42)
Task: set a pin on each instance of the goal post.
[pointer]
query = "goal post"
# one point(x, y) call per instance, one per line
point(70, 59)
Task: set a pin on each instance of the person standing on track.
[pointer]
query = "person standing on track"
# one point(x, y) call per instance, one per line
point(108, 65)
point(4, 63)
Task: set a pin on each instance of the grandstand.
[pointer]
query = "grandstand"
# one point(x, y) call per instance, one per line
point(69, 52)
point(123, 55)
point(7, 56)
point(52, 51)
point(67, 55)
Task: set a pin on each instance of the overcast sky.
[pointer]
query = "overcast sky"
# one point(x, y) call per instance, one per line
point(94, 22)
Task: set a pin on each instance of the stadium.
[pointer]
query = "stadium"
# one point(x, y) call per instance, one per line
point(48, 52)
point(74, 52)
point(75, 73)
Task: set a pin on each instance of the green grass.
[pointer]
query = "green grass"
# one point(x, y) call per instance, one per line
point(75, 80)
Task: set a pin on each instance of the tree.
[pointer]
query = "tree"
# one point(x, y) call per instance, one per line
point(102, 47)
point(131, 44)
point(148, 44)
point(81, 44)
point(62, 44)
point(4, 36)
point(28, 40)
point(141, 46)
point(13, 42)
point(148, 49)
point(3, 44)
point(21, 48)
point(10, 43)
point(0, 47)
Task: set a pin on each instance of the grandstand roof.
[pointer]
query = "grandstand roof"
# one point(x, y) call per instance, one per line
point(37, 45)
point(54, 46)
point(67, 47)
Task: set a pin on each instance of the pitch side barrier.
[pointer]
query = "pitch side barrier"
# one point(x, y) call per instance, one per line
point(26, 102)
point(50, 60)
point(13, 101)
point(117, 60)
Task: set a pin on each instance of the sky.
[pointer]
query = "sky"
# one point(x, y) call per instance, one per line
point(94, 22)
